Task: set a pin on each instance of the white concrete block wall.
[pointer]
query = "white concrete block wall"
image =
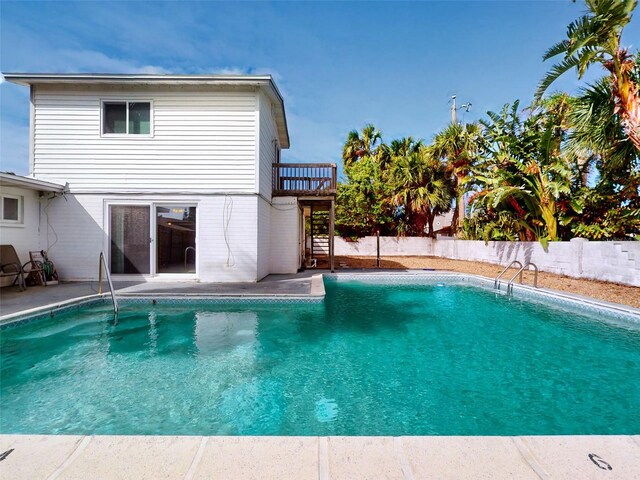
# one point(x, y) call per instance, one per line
point(285, 235)
point(79, 234)
point(392, 246)
point(610, 261)
point(25, 236)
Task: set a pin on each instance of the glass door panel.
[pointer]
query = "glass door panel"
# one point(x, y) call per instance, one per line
point(130, 238)
point(176, 239)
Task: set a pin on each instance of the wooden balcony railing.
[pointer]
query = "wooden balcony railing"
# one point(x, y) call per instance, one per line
point(307, 179)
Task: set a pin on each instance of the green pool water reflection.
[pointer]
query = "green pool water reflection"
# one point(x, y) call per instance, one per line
point(370, 360)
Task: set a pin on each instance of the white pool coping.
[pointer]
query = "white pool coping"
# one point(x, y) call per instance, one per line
point(322, 458)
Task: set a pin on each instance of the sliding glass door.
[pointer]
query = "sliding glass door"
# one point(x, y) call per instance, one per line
point(130, 239)
point(175, 239)
point(152, 239)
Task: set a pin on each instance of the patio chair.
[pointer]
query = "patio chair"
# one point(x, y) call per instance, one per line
point(10, 266)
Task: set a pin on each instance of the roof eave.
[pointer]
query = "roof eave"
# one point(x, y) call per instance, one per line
point(262, 81)
point(27, 79)
point(30, 183)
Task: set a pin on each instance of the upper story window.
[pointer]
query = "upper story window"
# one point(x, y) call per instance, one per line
point(11, 209)
point(126, 118)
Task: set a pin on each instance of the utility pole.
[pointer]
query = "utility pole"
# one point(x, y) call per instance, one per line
point(453, 110)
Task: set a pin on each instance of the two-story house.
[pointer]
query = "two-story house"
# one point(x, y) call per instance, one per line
point(172, 176)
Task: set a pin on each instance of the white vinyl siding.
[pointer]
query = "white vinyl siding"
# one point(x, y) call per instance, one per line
point(268, 142)
point(203, 141)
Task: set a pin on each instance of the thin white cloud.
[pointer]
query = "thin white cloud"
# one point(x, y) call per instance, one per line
point(230, 71)
point(98, 62)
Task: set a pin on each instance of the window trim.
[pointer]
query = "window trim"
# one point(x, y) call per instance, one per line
point(9, 222)
point(126, 101)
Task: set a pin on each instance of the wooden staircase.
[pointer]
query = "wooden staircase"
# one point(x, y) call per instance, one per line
point(315, 186)
point(319, 226)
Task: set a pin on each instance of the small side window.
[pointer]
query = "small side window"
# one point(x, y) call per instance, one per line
point(126, 118)
point(11, 209)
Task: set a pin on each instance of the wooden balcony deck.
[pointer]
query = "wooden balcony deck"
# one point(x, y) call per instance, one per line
point(304, 179)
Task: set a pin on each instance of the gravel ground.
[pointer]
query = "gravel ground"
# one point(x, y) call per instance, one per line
point(611, 292)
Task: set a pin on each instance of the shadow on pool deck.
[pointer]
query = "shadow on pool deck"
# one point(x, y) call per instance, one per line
point(12, 300)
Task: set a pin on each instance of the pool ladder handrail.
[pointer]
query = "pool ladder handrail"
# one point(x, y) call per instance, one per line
point(519, 272)
point(496, 281)
point(186, 253)
point(102, 267)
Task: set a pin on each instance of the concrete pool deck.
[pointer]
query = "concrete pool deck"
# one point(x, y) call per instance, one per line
point(324, 458)
point(14, 301)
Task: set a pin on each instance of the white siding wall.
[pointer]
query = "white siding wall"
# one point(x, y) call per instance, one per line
point(203, 140)
point(267, 149)
point(81, 233)
point(285, 235)
point(264, 237)
point(24, 237)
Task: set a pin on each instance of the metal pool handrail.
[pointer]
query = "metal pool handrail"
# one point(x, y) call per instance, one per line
point(103, 265)
point(496, 282)
point(186, 252)
point(535, 277)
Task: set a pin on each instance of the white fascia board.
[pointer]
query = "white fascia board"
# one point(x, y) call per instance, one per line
point(30, 183)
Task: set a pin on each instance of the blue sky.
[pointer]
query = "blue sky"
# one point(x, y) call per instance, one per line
point(339, 65)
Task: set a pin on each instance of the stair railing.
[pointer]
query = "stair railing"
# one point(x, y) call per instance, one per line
point(103, 269)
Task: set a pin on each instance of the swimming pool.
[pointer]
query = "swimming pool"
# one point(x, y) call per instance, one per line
point(373, 359)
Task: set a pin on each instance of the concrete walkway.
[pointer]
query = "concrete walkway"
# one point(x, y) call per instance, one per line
point(404, 458)
point(12, 300)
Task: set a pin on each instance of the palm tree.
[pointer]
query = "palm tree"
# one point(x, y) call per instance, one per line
point(420, 183)
point(592, 39)
point(405, 146)
point(360, 145)
point(458, 145)
point(386, 154)
point(595, 134)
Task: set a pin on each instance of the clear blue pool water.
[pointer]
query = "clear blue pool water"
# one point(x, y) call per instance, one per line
point(370, 360)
